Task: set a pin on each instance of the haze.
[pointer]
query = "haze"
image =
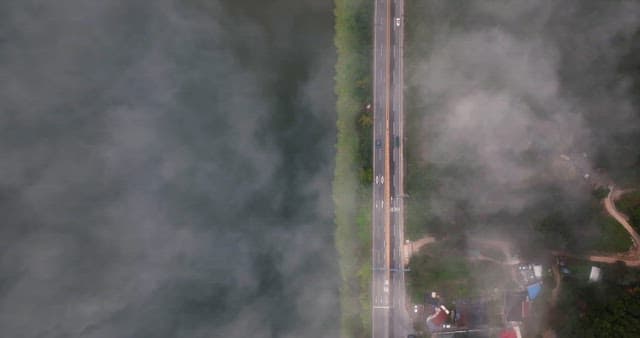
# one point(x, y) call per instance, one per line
point(509, 87)
point(164, 169)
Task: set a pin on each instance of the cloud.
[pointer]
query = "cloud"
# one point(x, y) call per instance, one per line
point(147, 184)
point(505, 83)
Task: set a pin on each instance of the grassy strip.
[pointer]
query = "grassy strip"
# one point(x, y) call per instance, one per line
point(351, 186)
point(444, 267)
point(448, 274)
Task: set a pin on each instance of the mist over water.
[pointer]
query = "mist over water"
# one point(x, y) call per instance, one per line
point(165, 169)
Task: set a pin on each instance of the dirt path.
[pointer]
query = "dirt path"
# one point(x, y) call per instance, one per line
point(503, 246)
point(481, 257)
point(630, 258)
point(411, 248)
point(500, 245)
point(610, 206)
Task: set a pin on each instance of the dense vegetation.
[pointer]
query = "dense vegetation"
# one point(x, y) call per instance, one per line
point(351, 186)
point(580, 228)
point(629, 204)
point(421, 176)
point(607, 309)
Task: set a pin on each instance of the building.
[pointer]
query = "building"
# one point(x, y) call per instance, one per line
point(471, 314)
point(533, 290)
point(537, 271)
point(594, 275)
point(526, 274)
point(438, 320)
point(432, 299)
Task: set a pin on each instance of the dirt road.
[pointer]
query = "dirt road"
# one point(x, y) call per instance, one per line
point(630, 258)
point(610, 206)
point(411, 248)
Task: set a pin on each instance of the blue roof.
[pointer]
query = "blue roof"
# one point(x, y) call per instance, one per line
point(534, 290)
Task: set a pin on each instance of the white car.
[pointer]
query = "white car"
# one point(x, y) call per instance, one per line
point(397, 22)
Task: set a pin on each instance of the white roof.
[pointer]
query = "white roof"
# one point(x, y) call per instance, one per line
point(537, 271)
point(594, 276)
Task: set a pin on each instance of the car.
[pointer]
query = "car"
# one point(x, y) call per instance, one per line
point(398, 22)
point(378, 143)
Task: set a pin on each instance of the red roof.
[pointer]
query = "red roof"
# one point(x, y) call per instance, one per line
point(439, 318)
point(509, 333)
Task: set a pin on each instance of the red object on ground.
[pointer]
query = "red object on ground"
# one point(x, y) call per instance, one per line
point(510, 333)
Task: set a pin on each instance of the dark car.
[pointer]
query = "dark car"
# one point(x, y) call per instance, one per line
point(378, 143)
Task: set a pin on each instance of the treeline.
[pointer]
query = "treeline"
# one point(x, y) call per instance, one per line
point(610, 308)
point(352, 180)
point(423, 176)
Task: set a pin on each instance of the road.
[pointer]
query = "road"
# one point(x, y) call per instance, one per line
point(380, 292)
point(400, 321)
point(389, 315)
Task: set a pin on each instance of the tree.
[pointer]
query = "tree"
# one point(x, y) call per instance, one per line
point(365, 120)
point(597, 310)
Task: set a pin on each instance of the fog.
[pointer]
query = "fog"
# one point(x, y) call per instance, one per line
point(523, 108)
point(165, 169)
point(507, 87)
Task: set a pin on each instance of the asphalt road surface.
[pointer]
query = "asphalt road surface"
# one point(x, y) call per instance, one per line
point(380, 291)
point(389, 315)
